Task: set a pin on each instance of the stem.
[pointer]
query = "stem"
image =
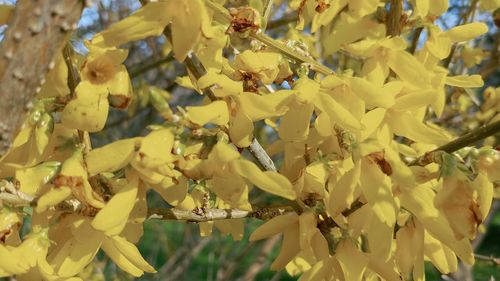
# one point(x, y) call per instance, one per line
point(492, 259)
point(266, 13)
point(468, 139)
point(291, 53)
point(394, 20)
point(414, 41)
point(282, 48)
point(204, 215)
point(144, 67)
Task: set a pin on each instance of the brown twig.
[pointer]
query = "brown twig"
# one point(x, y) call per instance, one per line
point(203, 215)
point(144, 67)
point(394, 18)
point(414, 40)
point(468, 139)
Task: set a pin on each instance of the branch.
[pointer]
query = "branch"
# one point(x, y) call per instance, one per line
point(493, 64)
point(198, 70)
point(414, 40)
point(143, 67)
point(491, 259)
point(266, 13)
point(282, 48)
point(42, 27)
point(394, 20)
point(203, 215)
point(468, 139)
point(284, 20)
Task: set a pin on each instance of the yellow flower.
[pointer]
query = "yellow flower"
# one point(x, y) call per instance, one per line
point(228, 173)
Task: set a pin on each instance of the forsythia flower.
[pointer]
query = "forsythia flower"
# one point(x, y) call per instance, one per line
point(228, 174)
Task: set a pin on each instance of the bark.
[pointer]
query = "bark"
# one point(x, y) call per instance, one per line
point(37, 31)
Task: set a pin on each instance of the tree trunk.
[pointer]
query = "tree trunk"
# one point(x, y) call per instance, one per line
point(37, 31)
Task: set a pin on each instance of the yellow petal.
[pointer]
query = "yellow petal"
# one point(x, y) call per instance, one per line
point(342, 192)
point(467, 32)
point(408, 68)
point(264, 64)
point(420, 202)
point(465, 81)
point(274, 226)
point(172, 190)
point(323, 125)
point(215, 112)
point(149, 20)
point(348, 30)
point(31, 179)
point(120, 259)
point(111, 157)
point(456, 200)
point(225, 85)
point(156, 150)
point(371, 121)
point(187, 22)
point(56, 81)
point(351, 259)
point(438, 7)
point(485, 193)
point(306, 90)
point(373, 95)
point(130, 252)
point(120, 89)
point(290, 247)
point(415, 99)
point(113, 217)
point(52, 197)
point(232, 189)
point(439, 254)
point(259, 107)
point(406, 124)
point(307, 229)
point(234, 227)
point(88, 111)
point(271, 182)
point(378, 193)
point(421, 8)
point(240, 129)
point(223, 153)
point(294, 124)
point(336, 112)
point(80, 254)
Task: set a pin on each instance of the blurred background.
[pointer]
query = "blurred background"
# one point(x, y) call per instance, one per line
point(176, 249)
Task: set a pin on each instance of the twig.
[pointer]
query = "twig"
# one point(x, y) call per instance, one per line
point(148, 65)
point(274, 44)
point(414, 40)
point(260, 261)
point(494, 62)
point(183, 266)
point(468, 139)
point(266, 14)
point(394, 18)
point(491, 259)
point(203, 215)
point(284, 20)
